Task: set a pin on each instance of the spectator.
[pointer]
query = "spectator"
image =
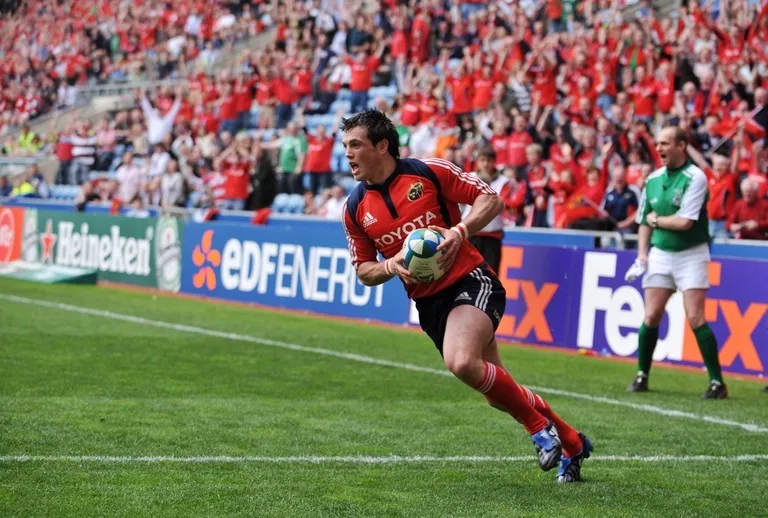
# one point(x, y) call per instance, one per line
point(5, 187)
point(159, 125)
point(172, 187)
point(749, 218)
point(130, 180)
point(317, 165)
point(22, 188)
point(620, 204)
point(334, 206)
point(38, 181)
point(86, 195)
point(293, 147)
point(83, 153)
point(236, 164)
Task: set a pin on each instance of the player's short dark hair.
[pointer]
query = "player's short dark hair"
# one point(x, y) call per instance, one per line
point(487, 152)
point(378, 126)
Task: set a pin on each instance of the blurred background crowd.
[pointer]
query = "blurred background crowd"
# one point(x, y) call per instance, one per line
point(565, 96)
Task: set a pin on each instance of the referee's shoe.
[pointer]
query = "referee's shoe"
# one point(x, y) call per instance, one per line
point(716, 390)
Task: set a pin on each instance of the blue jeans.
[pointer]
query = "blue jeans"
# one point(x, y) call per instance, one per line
point(359, 101)
point(717, 228)
point(284, 115)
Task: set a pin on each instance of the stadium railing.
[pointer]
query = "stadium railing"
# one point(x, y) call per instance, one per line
point(10, 166)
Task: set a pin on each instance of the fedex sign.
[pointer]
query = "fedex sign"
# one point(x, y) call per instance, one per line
point(610, 312)
point(622, 311)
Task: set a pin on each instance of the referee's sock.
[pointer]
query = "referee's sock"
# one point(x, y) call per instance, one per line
point(646, 344)
point(503, 392)
point(708, 347)
point(569, 437)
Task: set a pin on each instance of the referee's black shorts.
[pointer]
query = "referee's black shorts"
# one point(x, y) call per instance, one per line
point(490, 249)
point(480, 288)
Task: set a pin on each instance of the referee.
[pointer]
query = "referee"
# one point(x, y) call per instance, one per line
point(673, 248)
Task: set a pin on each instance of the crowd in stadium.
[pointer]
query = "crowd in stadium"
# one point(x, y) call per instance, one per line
point(566, 94)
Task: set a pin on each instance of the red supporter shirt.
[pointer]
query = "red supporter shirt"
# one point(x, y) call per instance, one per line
point(518, 141)
point(411, 112)
point(284, 91)
point(500, 144)
point(665, 90)
point(537, 180)
point(483, 92)
point(243, 97)
point(238, 178)
point(264, 92)
point(644, 98)
point(227, 109)
point(461, 93)
point(743, 211)
point(545, 85)
point(362, 73)
point(318, 154)
point(427, 109)
point(722, 195)
point(378, 218)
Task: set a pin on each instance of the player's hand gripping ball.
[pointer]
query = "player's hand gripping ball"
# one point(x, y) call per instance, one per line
point(421, 254)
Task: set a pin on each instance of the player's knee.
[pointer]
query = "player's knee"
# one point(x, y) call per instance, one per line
point(696, 319)
point(653, 317)
point(465, 367)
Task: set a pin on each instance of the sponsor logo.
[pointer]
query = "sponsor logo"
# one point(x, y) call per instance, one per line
point(205, 259)
point(7, 235)
point(533, 324)
point(168, 254)
point(463, 296)
point(416, 191)
point(47, 240)
point(368, 220)
point(29, 240)
point(111, 252)
point(285, 270)
point(622, 311)
point(406, 228)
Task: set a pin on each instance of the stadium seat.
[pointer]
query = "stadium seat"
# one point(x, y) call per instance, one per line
point(296, 203)
point(280, 204)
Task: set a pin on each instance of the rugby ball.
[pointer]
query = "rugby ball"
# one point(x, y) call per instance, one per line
point(421, 254)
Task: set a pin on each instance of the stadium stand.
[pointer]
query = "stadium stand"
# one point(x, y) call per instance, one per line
point(559, 89)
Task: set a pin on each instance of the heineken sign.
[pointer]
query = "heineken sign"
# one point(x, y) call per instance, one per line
point(141, 251)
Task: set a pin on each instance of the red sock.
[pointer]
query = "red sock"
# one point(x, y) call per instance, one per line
point(568, 435)
point(502, 391)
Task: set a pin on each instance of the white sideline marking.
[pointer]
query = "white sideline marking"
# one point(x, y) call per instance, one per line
point(368, 359)
point(364, 459)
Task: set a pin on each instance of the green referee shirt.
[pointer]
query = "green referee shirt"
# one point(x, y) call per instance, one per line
point(684, 192)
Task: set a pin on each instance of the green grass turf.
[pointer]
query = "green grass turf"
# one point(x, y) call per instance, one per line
point(74, 384)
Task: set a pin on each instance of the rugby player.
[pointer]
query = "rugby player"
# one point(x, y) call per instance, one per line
point(673, 254)
point(462, 309)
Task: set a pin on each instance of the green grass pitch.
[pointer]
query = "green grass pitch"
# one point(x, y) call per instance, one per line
point(76, 383)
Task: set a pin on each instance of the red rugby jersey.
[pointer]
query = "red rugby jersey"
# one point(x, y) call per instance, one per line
point(420, 193)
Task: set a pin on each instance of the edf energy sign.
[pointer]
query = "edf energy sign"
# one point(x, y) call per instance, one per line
point(293, 269)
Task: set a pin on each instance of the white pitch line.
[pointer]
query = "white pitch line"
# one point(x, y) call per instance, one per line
point(750, 427)
point(363, 459)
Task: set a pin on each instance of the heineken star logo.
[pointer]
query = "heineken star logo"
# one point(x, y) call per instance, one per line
point(47, 239)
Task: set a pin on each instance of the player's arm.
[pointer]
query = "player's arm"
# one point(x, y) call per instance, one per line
point(644, 231)
point(364, 257)
point(690, 208)
point(460, 187)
